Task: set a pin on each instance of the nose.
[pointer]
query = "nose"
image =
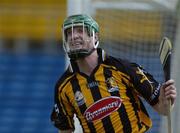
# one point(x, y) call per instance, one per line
point(75, 35)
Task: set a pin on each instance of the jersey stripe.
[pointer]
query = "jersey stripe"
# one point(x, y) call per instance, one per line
point(107, 120)
point(122, 111)
point(76, 87)
point(134, 104)
point(97, 96)
point(69, 119)
point(62, 109)
point(107, 73)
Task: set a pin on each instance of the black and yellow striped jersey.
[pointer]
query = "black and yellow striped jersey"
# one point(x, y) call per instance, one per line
point(106, 101)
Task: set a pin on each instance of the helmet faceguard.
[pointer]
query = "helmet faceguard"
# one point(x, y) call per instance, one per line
point(88, 25)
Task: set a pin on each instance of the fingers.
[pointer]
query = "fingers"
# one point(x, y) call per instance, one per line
point(170, 94)
point(170, 90)
point(169, 82)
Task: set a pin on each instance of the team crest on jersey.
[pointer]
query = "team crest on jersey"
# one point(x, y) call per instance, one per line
point(79, 98)
point(102, 108)
point(112, 85)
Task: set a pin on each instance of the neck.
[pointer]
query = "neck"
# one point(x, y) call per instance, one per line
point(87, 64)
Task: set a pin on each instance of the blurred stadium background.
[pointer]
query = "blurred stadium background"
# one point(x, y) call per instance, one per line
point(32, 59)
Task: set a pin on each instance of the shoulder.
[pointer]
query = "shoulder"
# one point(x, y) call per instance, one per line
point(120, 64)
point(63, 80)
point(123, 65)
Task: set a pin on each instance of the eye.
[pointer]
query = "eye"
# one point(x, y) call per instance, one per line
point(68, 32)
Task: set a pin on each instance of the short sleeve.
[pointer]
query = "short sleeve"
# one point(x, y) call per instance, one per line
point(62, 115)
point(145, 84)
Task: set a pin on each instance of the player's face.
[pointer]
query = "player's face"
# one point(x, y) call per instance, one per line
point(78, 38)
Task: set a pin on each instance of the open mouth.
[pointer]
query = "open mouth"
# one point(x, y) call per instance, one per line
point(76, 45)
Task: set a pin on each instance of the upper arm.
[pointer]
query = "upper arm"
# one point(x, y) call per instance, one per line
point(62, 114)
point(145, 84)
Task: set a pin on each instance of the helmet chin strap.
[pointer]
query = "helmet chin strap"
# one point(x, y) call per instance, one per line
point(80, 53)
